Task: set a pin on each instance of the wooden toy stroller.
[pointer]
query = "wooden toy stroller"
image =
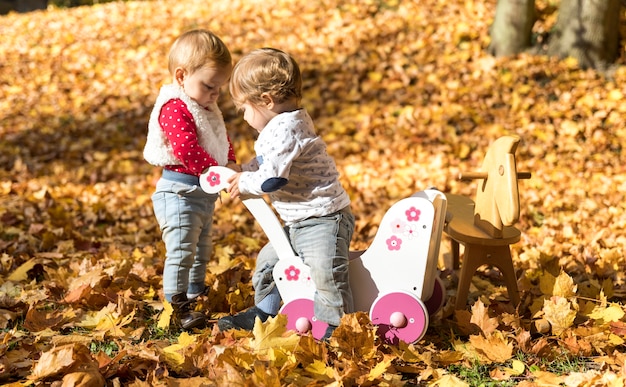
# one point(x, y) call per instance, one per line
point(395, 280)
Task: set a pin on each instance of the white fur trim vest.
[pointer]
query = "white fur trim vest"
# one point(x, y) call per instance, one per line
point(210, 128)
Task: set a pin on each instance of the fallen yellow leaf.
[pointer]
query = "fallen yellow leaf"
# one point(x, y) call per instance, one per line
point(450, 381)
point(559, 313)
point(607, 314)
point(21, 273)
point(564, 286)
point(166, 315)
point(480, 317)
point(380, 368)
point(494, 348)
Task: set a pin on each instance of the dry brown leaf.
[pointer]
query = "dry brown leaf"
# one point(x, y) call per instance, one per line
point(40, 320)
point(61, 360)
point(83, 379)
point(480, 317)
point(493, 348)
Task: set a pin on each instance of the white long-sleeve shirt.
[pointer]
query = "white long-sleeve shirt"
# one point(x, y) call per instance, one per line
point(293, 168)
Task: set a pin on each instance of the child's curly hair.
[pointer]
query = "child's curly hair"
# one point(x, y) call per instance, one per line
point(265, 70)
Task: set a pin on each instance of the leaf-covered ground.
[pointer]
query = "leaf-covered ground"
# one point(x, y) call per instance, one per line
point(406, 97)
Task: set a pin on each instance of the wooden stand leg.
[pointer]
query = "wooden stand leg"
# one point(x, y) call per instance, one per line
point(470, 264)
point(476, 256)
point(454, 248)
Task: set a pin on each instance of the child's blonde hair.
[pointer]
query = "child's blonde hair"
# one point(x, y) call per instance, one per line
point(265, 70)
point(196, 49)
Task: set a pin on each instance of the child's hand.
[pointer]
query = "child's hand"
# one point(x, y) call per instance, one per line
point(233, 187)
point(234, 166)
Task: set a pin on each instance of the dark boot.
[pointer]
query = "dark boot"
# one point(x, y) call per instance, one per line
point(184, 316)
point(243, 320)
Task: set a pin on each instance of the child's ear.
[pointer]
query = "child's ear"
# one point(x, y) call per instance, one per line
point(267, 100)
point(179, 75)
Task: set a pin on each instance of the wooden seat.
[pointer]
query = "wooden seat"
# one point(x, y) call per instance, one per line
point(485, 226)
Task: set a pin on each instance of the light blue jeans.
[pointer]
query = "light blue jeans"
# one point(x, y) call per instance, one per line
point(185, 215)
point(323, 243)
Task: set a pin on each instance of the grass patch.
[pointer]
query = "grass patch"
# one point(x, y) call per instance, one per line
point(566, 364)
point(478, 375)
point(110, 348)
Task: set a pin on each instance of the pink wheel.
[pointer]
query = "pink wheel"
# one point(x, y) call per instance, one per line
point(399, 316)
point(438, 298)
point(301, 318)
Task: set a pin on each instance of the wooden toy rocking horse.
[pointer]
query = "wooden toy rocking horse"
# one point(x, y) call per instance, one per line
point(485, 227)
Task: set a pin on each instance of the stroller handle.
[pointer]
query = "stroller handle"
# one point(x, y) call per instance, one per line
point(215, 179)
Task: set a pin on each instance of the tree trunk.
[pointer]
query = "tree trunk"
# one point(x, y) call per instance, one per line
point(588, 31)
point(512, 27)
point(21, 6)
point(30, 5)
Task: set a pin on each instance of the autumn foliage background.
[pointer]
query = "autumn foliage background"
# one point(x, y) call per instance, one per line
point(406, 98)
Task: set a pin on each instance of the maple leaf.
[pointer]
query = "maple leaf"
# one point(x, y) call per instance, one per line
point(511, 320)
point(493, 348)
point(608, 313)
point(40, 320)
point(465, 349)
point(463, 319)
point(355, 336)
point(318, 367)
point(447, 357)
point(81, 378)
point(54, 361)
point(112, 324)
point(66, 360)
point(480, 317)
point(273, 334)
point(107, 321)
point(595, 378)
point(380, 368)
point(561, 285)
point(564, 286)
point(173, 353)
point(580, 341)
point(559, 313)
point(272, 341)
point(547, 379)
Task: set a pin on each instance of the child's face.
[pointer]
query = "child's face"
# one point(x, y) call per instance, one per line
point(203, 86)
point(256, 116)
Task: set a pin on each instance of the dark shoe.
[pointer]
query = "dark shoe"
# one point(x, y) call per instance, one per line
point(184, 317)
point(243, 320)
point(329, 332)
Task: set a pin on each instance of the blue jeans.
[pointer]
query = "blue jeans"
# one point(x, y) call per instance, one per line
point(185, 215)
point(323, 244)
